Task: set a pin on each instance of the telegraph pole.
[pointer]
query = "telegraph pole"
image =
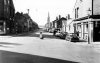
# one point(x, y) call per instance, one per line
point(28, 19)
point(28, 11)
point(89, 27)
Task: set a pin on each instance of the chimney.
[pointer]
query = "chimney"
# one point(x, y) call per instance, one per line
point(59, 16)
point(68, 16)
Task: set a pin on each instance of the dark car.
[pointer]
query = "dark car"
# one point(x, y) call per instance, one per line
point(62, 35)
point(75, 38)
point(72, 37)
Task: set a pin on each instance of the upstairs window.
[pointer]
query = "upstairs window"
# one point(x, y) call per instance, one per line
point(77, 15)
point(8, 2)
point(81, 0)
point(77, 12)
point(5, 2)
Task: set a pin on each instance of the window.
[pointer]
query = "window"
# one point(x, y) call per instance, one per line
point(5, 2)
point(77, 12)
point(8, 1)
point(81, 0)
point(69, 27)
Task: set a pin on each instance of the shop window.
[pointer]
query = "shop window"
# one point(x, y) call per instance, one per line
point(86, 28)
point(86, 25)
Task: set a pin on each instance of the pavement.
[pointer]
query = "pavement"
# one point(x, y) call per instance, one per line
point(31, 49)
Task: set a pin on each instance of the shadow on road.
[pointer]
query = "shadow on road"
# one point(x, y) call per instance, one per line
point(36, 35)
point(11, 57)
point(5, 43)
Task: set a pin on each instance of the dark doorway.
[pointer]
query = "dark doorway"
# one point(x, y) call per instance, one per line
point(96, 33)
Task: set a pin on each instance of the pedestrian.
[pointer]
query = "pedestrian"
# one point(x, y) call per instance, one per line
point(77, 33)
point(41, 35)
point(54, 32)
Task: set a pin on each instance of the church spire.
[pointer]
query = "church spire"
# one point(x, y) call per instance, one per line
point(48, 20)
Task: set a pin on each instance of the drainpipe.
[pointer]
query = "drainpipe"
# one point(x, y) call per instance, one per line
point(92, 7)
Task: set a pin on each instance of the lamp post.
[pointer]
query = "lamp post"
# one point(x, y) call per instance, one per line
point(89, 26)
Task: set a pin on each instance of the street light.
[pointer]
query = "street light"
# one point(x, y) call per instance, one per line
point(89, 12)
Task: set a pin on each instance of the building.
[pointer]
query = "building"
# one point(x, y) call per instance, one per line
point(87, 19)
point(7, 12)
point(67, 24)
point(24, 23)
point(54, 24)
point(70, 26)
point(64, 22)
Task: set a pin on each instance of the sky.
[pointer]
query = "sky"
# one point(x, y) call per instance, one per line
point(39, 9)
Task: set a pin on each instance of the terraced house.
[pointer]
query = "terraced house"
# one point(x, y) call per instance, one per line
point(87, 19)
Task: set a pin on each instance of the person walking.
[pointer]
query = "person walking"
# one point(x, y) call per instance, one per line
point(55, 31)
point(41, 35)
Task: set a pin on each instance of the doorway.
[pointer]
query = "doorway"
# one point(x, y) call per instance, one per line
point(96, 32)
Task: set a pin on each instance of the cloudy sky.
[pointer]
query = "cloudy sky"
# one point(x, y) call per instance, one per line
point(39, 8)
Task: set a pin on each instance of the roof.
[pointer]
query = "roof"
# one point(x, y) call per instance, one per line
point(26, 15)
point(63, 18)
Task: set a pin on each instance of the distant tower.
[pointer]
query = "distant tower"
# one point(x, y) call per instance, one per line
point(48, 20)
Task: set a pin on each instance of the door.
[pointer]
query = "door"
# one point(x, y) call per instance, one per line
point(96, 32)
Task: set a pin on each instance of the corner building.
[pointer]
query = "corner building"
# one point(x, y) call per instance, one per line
point(86, 16)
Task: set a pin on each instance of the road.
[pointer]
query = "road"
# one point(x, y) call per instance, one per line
point(29, 48)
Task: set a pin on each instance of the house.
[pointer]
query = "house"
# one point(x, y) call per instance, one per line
point(24, 23)
point(64, 21)
point(86, 14)
point(70, 26)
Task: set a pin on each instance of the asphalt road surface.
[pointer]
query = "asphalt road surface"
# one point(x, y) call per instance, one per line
point(29, 48)
point(11, 57)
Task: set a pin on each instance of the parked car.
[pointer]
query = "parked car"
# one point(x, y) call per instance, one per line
point(51, 30)
point(74, 38)
point(62, 35)
point(68, 37)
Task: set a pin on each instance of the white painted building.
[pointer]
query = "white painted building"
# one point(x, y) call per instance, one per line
point(64, 25)
point(70, 26)
point(86, 14)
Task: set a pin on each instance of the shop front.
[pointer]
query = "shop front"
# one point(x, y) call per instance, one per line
point(85, 29)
